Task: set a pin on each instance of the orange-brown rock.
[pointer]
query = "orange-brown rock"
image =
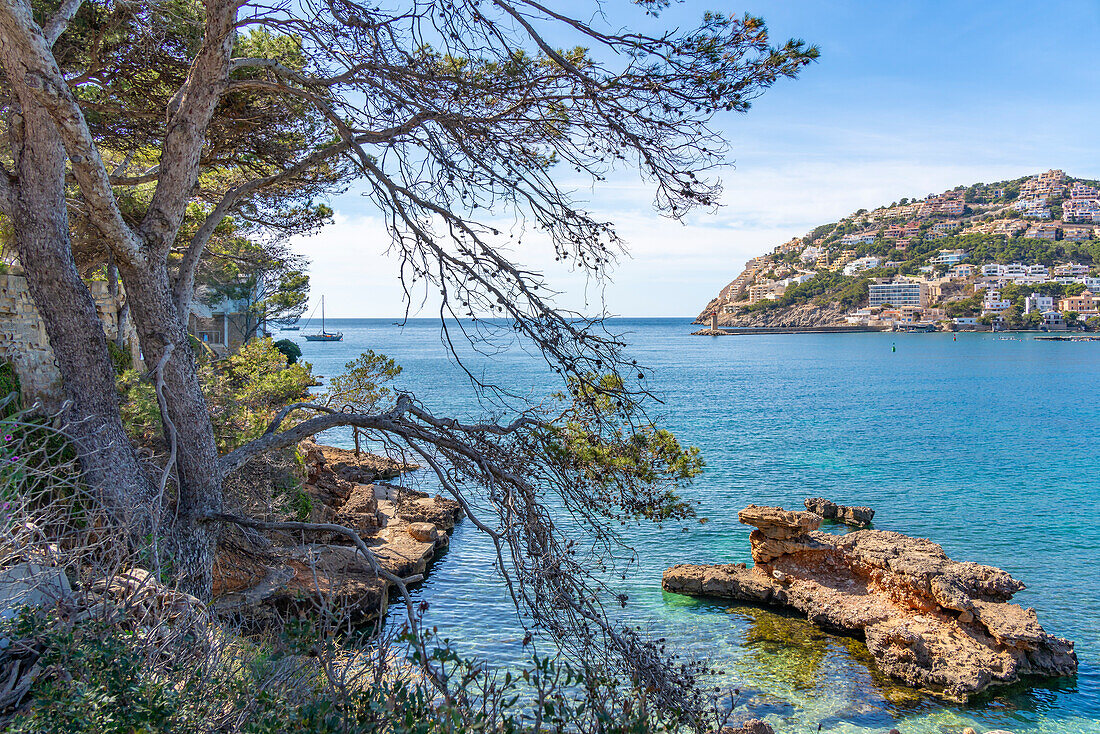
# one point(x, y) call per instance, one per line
point(859, 516)
point(940, 625)
point(346, 464)
point(425, 532)
point(402, 528)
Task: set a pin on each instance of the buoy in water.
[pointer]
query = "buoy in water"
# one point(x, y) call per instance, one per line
point(893, 347)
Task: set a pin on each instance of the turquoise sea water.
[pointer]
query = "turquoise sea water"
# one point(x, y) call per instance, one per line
point(988, 445)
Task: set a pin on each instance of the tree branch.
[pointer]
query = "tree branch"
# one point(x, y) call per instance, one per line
point(189, 114)
point(282, 414)
point(60, 21)
point(33, 71)
point(402, 584)
point(185, 277)
point(272, 441)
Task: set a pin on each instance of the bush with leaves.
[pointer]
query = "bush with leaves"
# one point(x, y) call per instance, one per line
point(290, 350)
point(362, 384)
point(246, 390)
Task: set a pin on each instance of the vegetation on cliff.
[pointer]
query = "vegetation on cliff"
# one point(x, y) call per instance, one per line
point(832, 265)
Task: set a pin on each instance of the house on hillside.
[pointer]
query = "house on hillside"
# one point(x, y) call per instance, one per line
point(1076, 232)
point(1085, 304)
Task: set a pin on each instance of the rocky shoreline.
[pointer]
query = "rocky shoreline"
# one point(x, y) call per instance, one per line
point(744, 331)
point(284, 574)
point(938, 625)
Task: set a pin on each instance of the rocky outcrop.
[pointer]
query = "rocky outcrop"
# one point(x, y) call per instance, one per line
point(348, 465)
point(264, 578)
point(939, 625)
point(859, 516)
point(801, 315)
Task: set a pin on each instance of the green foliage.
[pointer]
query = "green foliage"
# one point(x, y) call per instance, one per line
point(362, 385)
point(1017, 293)
point(97, 678)
point(245, 391)
point(290, 350)
point(120, 357)
point(265, 282)
point(9, 383)
point(104, 690)
point(825, 287)
point(138, 403)
point(971, 306)
point(629, 463)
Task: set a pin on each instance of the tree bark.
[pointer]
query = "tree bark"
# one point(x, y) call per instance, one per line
point(191, 540)
point(42, 241)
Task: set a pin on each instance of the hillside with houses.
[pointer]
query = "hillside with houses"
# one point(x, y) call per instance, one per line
point(1011, 254)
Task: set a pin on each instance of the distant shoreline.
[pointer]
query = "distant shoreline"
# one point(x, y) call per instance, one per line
point(788, 330)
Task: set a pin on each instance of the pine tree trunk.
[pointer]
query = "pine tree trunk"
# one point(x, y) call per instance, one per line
point(192, 541)
point(42, 241)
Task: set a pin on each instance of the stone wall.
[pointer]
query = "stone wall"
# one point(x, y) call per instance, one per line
point(23, 343)
point(23, 340)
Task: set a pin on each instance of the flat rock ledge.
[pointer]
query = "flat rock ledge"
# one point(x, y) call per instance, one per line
point(859, 517)
point(939, 625)
point(287, 574)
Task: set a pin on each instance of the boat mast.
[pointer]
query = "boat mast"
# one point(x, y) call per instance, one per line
point(323, 314)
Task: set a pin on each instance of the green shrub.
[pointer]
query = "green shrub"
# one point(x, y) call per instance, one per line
point(245, 391)
point(9, 383)
point(103, 689)
point(290, 350)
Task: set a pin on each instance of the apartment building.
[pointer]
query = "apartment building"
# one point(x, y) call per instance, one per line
point(993, 303)
point(899, 293)
point(1071, 270)
point(1049, 231)
point(1038, 302)
point(1079, 190)
point(858, 238)
point(950, 257)
point(862, 264)
point(1081, 210)
point(1076, 232)
point(1084, 303)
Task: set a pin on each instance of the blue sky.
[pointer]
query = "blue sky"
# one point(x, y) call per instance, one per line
point(907, 99)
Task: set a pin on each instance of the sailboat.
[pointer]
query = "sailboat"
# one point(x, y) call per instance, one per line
point(322, 335)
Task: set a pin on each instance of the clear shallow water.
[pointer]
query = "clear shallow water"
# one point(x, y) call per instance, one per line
point(986, 445)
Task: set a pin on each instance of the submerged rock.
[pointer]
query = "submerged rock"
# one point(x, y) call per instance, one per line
point(936, 624)
point(858, 516)
point(752, 726)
